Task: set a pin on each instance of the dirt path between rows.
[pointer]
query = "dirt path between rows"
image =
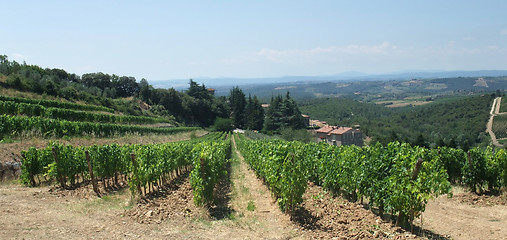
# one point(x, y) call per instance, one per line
point(263, 216)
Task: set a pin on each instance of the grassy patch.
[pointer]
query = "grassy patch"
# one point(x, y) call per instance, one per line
point(251, 206)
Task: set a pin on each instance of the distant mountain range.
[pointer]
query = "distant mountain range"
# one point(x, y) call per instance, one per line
point(227, 83)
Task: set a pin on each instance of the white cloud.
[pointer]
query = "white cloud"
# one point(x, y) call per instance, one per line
point(19, 57)
point(503, 32)
point(333, 51)
point(377, 58)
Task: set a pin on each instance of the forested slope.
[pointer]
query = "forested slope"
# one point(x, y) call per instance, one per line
point(454, 121)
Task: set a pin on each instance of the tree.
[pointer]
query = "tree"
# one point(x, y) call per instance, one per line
point(420, 141)
point(238, 104)
point(223, 124)
point(221, 107)
point(126, 86)
point(292, 116)
point(283, 113)
point(198, 91)
point(198, 105)
point(273, 121)
point(255, 114)
point(50, 87)
point(145, 91)
point(14, 81)
point(99, 80)
point(440, 143)
point(4, 65)
point(171, 100)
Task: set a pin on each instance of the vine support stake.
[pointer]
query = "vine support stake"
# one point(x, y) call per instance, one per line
point(90, 169)
point(58, 172)
point(417, 168)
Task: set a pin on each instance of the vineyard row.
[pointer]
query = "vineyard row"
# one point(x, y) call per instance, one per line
point(143, 166)
point(31, 109)
point(396, 178)
point(56, 104)
point(11, 126)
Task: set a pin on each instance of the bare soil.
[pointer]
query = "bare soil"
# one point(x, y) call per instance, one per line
point(466, 216)
point(324, 216)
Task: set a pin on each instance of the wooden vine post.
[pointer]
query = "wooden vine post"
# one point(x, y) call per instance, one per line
point(58, 172)
point(417, 169)
point(90, 169)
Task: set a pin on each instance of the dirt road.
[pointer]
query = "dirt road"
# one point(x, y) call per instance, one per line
point(495, 109)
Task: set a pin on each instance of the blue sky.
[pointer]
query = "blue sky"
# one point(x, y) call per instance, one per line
point(161, 40)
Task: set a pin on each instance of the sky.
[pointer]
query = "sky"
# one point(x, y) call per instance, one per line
point(163, 40)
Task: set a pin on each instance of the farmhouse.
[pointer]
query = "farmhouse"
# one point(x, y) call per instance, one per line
point(339, 136)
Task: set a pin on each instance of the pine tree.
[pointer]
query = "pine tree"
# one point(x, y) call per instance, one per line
point(273, 120)
point(292, 116)
point(238, 104)
point(283, 114)
point(255, 114)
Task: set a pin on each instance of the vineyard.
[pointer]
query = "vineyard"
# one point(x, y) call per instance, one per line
point(47, 118)
point(12, 126)
point(56, 104)
point(30, 109)
point(396, 180)
point(143, 167)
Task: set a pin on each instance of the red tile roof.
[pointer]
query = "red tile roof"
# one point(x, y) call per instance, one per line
point(340, 130)
point(333, 130)
point(325, 129)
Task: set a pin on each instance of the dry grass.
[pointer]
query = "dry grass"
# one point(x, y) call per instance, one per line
point(16, 93)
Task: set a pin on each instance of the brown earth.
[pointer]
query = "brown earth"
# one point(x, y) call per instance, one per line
point(467, 216)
